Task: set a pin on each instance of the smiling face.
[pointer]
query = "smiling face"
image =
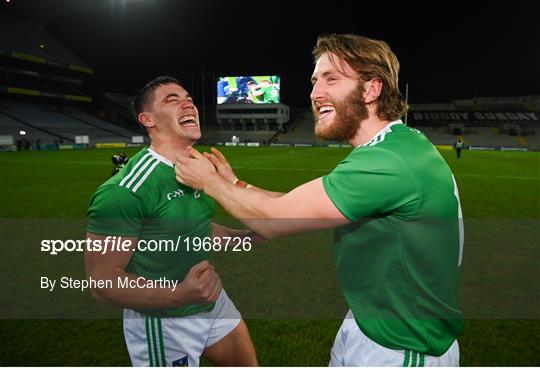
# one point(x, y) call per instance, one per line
point(337, 99)
point(173, 114)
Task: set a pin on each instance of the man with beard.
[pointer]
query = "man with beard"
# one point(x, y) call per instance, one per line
point(394, 201)
point(144, 204)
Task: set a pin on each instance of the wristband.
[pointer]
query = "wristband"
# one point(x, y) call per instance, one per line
point(241, 183)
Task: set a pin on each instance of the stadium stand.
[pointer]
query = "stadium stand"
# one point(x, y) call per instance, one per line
point(508, 123)
point(45, 93)
point(300, 131)
point(250, 117)
point(501, 123)
point(53, 122)
point(476, 137)
point(86, 118)
point(9, 126)
point(262, 137)
point(28, 41)
point(118, 105)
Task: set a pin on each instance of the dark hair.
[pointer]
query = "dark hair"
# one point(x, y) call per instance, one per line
point(370, 59)
point(143, 97)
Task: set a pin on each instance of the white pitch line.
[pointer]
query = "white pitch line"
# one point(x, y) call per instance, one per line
point(288, 169)
point(280, 169)
point(328, 170)
point(501, 177)
point(62, 162)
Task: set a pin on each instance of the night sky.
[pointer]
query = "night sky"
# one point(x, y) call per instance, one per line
point(447, 51)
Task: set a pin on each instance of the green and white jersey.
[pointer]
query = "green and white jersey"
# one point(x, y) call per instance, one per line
point(398, 261)
point(270, 94)
point(145, 200)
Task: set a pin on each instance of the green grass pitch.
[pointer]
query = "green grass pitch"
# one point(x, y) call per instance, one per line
point(287, 289)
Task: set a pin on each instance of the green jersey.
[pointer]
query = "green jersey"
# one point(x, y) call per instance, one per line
point(271, 94)
point(398, 261)
point(145, 200)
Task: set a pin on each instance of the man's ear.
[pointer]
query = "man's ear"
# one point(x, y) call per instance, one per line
point(146, 120)
point(372, 90)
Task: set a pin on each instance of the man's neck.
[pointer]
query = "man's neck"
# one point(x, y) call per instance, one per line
point(170, 150)
point(367, 130)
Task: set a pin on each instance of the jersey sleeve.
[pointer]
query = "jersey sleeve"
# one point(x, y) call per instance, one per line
point(371, 182)
point(116, 211)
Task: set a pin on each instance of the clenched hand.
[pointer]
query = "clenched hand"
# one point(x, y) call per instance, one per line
point(201, 285)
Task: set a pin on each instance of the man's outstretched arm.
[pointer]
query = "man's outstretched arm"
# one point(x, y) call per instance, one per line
point(306, 208)
point(224, 168)
point(223, 232)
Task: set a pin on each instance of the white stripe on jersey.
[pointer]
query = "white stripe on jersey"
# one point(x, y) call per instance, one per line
point(145, 175)
point(379, 138)
point(460, 222)
point(161, 158)
point(140, 171)
point(134, 169)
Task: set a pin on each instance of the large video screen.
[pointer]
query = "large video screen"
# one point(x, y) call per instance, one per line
point(248, 89)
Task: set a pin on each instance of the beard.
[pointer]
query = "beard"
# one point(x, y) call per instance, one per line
point(348, 114)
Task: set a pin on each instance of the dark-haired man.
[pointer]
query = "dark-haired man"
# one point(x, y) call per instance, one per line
point(394, 201)
point(174, 321)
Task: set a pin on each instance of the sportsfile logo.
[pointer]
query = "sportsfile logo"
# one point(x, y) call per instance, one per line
point(175, 194)
point(121, 244)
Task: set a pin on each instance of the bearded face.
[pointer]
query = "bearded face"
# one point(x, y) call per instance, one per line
point(339, 120)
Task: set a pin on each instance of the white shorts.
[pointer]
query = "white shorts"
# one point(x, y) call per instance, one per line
point(179, 341)
point(353, 348)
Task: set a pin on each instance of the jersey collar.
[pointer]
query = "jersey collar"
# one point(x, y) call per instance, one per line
point(383, 131)
point(160, 158)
